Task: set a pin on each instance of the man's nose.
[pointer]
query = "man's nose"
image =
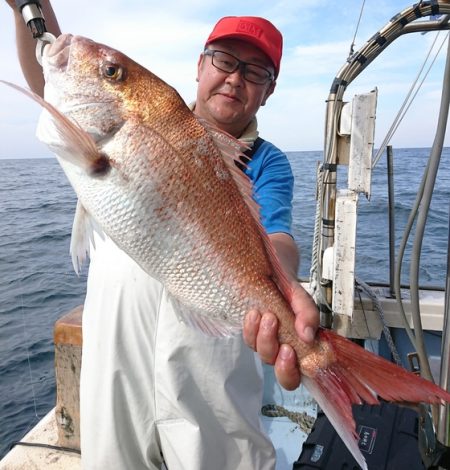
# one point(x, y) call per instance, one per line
point(236, 77)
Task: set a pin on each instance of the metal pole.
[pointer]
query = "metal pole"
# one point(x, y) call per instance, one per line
point(443, 427)
point(329, 200)
point(391, 213)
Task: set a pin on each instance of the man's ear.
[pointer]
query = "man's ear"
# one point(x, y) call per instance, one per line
point(199, 64)
point(269, 91)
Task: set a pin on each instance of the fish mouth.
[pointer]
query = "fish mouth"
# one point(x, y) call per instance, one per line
point(57, 53)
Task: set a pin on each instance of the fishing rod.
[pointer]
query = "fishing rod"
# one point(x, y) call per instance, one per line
point(34, 19)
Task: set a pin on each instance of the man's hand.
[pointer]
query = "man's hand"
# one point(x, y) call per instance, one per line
point(261, 328)
point(261, 334)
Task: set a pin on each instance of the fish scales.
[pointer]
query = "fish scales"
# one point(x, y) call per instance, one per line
point(205, 246)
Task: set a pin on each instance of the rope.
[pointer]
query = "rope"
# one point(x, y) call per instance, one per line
point(377, 305)
point(45, 446)
point(304, 420)
point(315, 258)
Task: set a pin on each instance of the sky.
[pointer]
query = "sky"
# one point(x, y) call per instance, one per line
point(167, 37)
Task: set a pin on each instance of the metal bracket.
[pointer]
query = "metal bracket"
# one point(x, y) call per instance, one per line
point(434, 454)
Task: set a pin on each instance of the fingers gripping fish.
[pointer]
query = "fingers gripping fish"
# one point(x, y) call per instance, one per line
point(165, 188)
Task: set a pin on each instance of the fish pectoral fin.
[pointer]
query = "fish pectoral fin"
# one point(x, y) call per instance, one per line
point(74, 144)
point(82, 236)
point(202, 321)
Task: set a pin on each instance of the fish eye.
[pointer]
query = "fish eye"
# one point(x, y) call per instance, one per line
point(113, 71)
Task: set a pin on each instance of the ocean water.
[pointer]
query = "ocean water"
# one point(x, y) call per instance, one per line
point(38, 284)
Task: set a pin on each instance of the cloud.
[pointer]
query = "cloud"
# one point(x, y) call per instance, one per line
point(168, 36)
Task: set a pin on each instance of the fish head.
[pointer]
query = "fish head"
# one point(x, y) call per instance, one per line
point(91, 84)
point(104, 92)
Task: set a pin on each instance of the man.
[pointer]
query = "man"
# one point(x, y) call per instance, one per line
point(154, 391)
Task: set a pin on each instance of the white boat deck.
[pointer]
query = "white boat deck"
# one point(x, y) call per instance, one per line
point(286, 433)
point(40, 458)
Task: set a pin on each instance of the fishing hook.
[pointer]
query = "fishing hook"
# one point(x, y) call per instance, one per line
point(42, 41)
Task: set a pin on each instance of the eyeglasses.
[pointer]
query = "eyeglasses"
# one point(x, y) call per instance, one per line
point(229, 63)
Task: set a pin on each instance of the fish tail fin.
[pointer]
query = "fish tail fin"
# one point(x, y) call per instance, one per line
point(355, 376)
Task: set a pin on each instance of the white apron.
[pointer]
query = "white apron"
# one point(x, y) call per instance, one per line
point(153, 389)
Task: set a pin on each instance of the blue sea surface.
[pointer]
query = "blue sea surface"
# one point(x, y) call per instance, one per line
point(38, 284)
point(372, 241)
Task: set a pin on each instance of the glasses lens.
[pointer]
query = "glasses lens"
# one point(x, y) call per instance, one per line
point(256, 74)
point(225, 62)
point(228, 63)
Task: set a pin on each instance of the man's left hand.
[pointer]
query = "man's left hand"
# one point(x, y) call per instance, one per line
point(261, 334)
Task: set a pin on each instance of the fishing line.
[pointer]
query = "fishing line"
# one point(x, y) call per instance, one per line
point(25, 332)
point(406, 105)
point(352, 46)
point(368, 343)
point(27, 350)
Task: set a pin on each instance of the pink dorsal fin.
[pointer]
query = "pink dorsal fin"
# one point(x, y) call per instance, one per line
point(232, 151)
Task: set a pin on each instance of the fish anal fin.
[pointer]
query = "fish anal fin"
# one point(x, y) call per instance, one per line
point(202, 321)
point(340, 416)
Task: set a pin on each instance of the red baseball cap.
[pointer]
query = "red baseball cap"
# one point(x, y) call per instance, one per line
point(253, 29)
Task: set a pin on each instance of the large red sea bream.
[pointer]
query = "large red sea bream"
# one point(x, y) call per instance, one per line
point(164, 186)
